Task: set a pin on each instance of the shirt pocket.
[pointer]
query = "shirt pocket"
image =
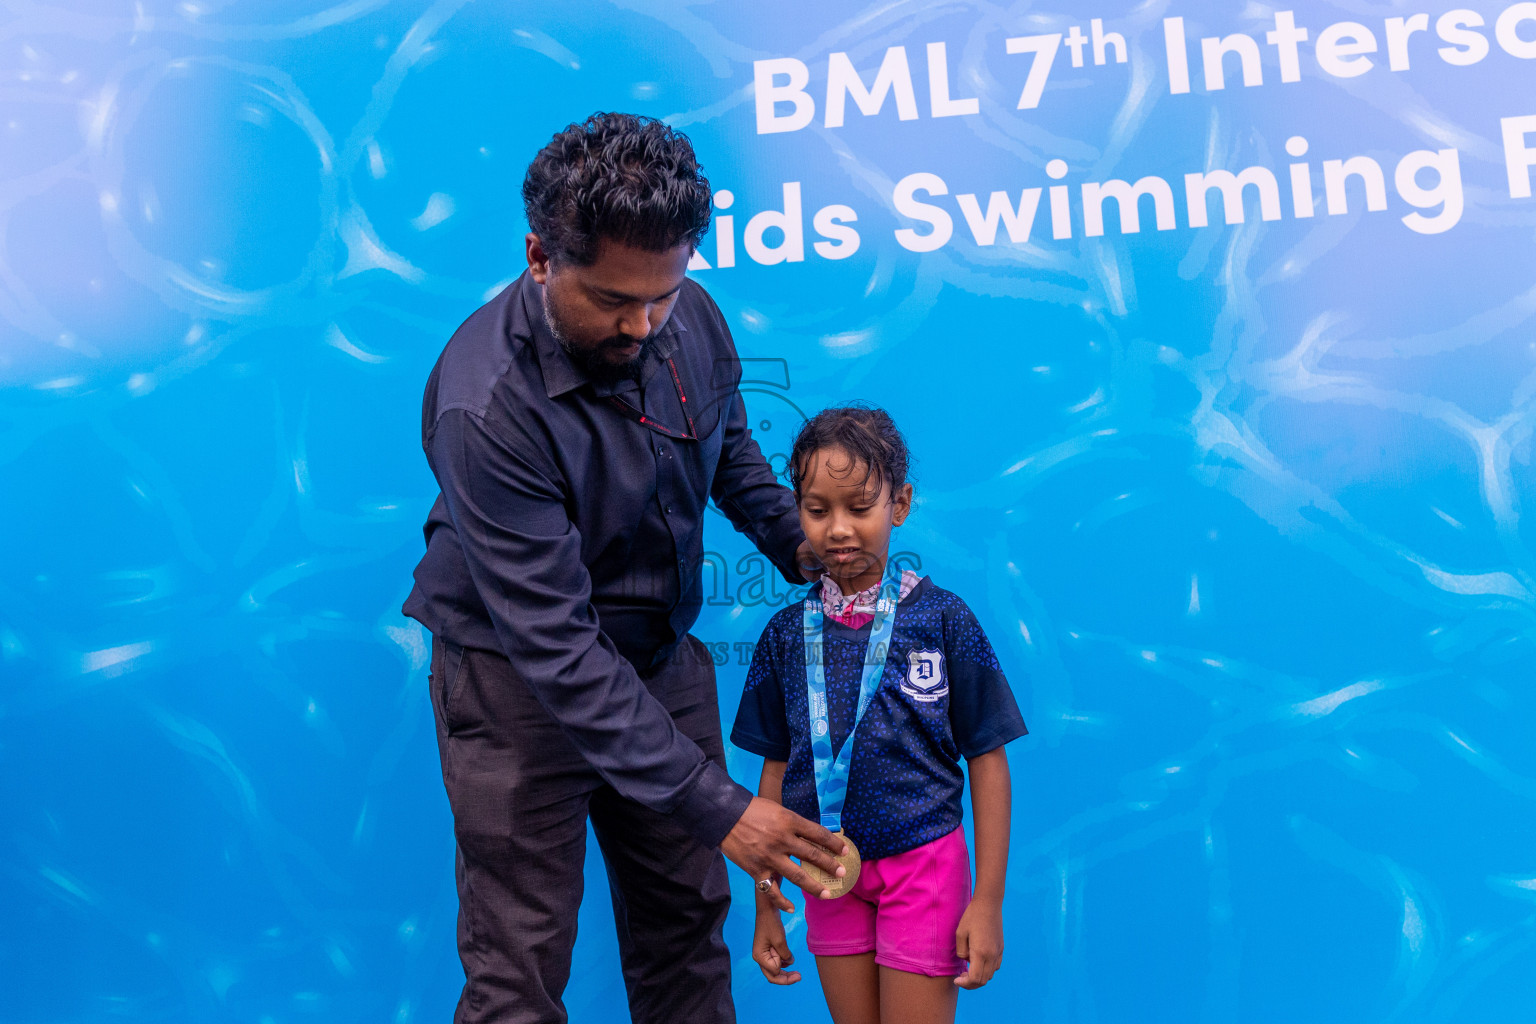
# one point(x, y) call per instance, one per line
point(710, 427)
point(709, 415)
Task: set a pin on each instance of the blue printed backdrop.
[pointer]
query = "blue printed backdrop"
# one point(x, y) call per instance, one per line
point(1241, 505)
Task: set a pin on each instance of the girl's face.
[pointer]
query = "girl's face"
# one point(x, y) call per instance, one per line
point(847, 514)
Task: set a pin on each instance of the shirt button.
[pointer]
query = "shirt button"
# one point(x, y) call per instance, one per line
point(669, 510)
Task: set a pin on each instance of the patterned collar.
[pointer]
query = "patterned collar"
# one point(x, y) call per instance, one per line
point(858, 610)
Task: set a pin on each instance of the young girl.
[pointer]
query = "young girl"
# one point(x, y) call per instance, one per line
point(863, 699)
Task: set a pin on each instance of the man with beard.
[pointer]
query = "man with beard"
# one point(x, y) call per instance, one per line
point(576, 424)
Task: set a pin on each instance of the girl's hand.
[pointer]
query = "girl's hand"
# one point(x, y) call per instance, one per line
point(770, 948)
point(979, 939)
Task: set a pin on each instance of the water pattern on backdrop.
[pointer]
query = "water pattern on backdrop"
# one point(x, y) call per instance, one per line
point(1241, 506)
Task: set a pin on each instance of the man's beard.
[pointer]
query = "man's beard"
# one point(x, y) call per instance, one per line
point(594, 360)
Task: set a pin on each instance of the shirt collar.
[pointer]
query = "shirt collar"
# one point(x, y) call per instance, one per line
point(560, 374)
point(837, 604)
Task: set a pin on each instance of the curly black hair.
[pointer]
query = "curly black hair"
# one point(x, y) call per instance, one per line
point(622, 177)
point(866, 433)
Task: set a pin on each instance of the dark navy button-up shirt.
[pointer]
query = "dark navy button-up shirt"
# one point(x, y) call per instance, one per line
point(569, 536)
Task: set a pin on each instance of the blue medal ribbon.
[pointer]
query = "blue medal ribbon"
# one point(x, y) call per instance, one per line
point(832, 772)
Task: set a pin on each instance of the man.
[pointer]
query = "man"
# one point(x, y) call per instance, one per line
point(576, 424)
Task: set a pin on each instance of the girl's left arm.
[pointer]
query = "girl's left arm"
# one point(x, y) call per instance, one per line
point(979, 938)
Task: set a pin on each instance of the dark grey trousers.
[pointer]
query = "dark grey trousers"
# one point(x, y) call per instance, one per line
point(521, 796)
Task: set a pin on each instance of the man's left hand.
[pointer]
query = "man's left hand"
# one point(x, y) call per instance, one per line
point(810, 566)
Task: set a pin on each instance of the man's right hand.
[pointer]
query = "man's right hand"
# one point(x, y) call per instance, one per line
point(768, 834)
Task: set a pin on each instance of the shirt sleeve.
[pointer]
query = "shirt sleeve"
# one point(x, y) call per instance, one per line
point(524, 556)
point(982, 712)
point(762, 726)
point(744, 487)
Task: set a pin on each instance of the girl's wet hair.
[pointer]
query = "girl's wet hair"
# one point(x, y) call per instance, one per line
point(866, 433)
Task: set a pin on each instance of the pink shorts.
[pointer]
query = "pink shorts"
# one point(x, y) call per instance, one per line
point(905, 908)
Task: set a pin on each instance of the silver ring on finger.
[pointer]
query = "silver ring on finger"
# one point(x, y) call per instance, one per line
point(765, 885)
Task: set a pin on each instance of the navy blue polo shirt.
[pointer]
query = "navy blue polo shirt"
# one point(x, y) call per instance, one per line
point(943, 697)
point(569, 536)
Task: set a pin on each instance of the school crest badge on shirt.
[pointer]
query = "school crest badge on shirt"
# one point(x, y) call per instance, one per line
point(926, 678)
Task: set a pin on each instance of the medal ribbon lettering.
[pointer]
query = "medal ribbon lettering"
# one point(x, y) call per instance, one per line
point(832, 772)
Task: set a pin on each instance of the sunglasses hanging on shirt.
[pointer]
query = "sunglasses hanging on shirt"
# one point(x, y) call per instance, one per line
point(645, 421)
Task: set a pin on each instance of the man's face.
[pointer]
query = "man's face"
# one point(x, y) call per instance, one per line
point(605, 315)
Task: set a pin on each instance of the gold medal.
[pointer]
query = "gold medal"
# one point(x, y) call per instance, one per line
point(849, 861)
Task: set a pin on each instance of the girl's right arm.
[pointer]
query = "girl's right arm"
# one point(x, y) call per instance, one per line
point(770, 946)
